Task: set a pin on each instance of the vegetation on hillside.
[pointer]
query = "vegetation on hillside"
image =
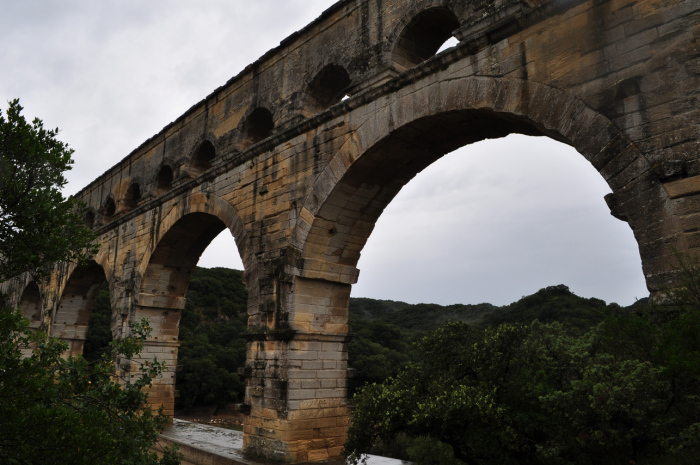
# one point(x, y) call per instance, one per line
point(383, 332)
point(99, 334)
point(212, 348)
point(553, 303)
point(625, 390)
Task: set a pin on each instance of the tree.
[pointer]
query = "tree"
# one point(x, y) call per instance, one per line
point(534, 394)
point(56, 410)
point(212, 348)
point(38, 225)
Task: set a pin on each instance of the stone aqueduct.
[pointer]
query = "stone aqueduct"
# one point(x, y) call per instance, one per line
point(300, 175)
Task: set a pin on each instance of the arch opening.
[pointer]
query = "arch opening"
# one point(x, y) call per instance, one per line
point(326, 89)
point(203, 158)
point(171, 264)
point(423, 36)
point(164, 180)
point(72, 316)
point(89, 219)
point(99, 330)
point(132, 197)
point(30, 304)
point(339, 235)
point(176, 296)
point(498, 220)
point(448, 44)
point(256, 127)
point(110, 208)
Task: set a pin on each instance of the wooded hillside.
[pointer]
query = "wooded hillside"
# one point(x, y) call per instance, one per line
point(384, 331)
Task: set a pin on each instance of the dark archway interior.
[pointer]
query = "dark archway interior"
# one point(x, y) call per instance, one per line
point(132, 197)
point(164, 180)
point(423, 36)
point(326, 89)
point(30, 303)
point(171, 265)
point(257, 126)
point(73, 313)
point(79, 295)
point(89, 219)
point(374, 180)
point(203, 158)
point(110, 208)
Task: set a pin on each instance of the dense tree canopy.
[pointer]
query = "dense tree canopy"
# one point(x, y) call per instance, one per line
point(625, 391)
point(38, 226)
point(55, 410)
point(383, 332)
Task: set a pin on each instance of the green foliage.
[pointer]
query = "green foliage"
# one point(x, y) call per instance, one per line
point(99, 334)
point(376, 351)
point(212, 349)
point(383, 330)
point(38, 226)
point(554, 304)
point(416, 318)
point(57, 411)
point(626, 391)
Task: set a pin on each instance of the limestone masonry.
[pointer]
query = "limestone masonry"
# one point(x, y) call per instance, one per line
point(300, 175)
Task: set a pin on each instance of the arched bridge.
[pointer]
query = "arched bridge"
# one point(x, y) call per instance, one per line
point(299, 174)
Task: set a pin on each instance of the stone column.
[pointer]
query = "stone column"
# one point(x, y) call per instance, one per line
point(163, 314)
point(297, 367)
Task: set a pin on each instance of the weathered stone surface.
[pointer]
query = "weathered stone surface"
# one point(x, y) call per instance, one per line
point(300, 177)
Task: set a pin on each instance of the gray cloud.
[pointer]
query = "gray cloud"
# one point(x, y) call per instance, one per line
point(491, 222)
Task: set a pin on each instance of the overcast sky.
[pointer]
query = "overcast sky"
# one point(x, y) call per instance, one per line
point(489, 223)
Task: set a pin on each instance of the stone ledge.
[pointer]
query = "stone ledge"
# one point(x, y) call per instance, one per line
point(210, 445)
point(328, 271)
point(683, 187)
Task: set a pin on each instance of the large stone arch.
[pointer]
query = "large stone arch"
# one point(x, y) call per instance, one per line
point(295, 372)
point(163, 276)
point(435, 120)
point(31, 304)
point(70, 319)
point(203, 202)
point(402, 134)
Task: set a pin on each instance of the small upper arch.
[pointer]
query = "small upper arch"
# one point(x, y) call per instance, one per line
point(327, 88)
point(109, 208)
point(132, 196)
point(89, 218)
point(256, 126)
point(422, 37)
point(202, 158)
point(164, 180)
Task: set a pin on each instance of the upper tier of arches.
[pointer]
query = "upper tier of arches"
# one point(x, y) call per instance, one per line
point(419, 29)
